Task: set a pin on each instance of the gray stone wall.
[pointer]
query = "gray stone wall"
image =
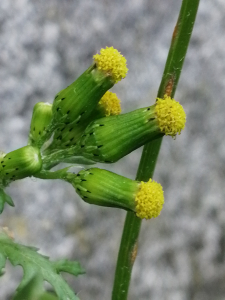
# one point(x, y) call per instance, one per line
point(44, 46)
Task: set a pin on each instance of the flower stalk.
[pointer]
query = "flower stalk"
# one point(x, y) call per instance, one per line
point(170, 78)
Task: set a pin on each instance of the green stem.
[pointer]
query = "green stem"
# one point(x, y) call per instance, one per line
point(60, 174)
point(170, 78)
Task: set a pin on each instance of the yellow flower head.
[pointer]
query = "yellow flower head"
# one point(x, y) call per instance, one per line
point(111, 61)
point(170, 115)
point(149, 200)
point(111, 104)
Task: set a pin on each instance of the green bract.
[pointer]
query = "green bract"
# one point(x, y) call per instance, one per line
point(109, 139)
point(105, 188)
point(20, 163)
point(75, 103)
point(67, 135)
point(41, 118)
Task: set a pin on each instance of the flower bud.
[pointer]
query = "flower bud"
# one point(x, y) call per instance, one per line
point(170, 115)
point(104, 188)
point(109, 139)
point(41, 118)
point(109, 105)
point(76, 102)
point(20, 163)
point(68, 135)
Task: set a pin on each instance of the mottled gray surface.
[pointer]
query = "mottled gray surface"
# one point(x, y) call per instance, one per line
point(44, 46)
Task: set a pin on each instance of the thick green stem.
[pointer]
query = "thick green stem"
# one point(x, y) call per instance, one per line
point(179, 44)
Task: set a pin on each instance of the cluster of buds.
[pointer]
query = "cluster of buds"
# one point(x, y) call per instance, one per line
point(85, 125)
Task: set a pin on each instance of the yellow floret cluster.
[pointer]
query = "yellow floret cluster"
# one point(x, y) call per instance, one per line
point(149, 200)
point(111, 61)
point(111, 104)
point(170, 115)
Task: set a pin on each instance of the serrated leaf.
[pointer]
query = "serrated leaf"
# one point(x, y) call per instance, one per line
point(36, 266)
point(72, 267)
point(4, 198)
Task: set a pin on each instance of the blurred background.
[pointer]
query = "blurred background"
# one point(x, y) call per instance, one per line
point(44, 46)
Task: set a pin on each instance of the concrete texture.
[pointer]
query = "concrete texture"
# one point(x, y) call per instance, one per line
point(44, 46)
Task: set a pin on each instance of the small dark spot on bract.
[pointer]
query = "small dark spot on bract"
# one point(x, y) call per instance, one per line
point(148, 108)
point(101, 124)
point(71, 139)
point(39, 132)
point(95, 154)
point(70, 129)
point(16, 169)
point(85, 197)
point(68, 112)
point(82, 146)
point(34, 129)
point(100, 146)
point(63, 98)
point(6, 173)
point(3, 166)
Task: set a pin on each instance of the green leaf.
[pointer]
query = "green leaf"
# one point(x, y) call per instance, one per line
point(4, 198)
point(72, 267)
point(37, 269)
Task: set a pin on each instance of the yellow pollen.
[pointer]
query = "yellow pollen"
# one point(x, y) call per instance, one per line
point(111, 61)
point(111, 104)
point(149, 200)
point(170, 115)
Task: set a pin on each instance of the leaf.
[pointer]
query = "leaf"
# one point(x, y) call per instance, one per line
point(37, 268)
point(3, 199)
point(34, 292)
point(72, 267)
